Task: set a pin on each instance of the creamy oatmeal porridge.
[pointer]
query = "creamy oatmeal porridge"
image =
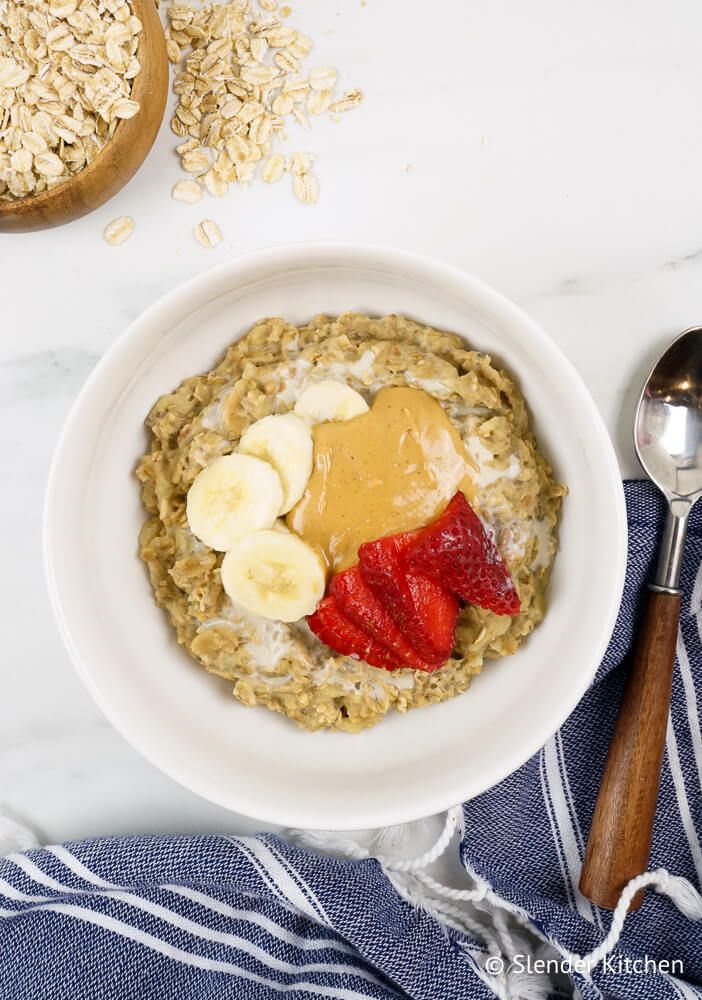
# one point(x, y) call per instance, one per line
point(282, 664)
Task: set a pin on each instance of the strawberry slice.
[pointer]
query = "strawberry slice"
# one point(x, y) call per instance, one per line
point(421, 608)
point(331, 625)
point(456, 551)
point(436, 613)
point(361, 605)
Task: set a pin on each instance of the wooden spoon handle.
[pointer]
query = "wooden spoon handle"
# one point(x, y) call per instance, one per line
point(622, 824)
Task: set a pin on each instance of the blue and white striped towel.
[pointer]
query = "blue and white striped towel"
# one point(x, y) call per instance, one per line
point(164, 918)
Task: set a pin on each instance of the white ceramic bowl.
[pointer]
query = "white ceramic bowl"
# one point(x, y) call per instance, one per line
point(185, 721)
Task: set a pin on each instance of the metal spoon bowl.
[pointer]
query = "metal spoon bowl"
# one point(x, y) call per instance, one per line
point(668, 442)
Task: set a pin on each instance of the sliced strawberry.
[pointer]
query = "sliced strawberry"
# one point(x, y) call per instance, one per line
point(331, 625)
point(436, 613)
point(420, 607)
point(359, 603)
point(456, 551)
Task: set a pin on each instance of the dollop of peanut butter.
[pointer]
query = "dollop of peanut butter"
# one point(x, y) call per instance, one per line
point(389, 470)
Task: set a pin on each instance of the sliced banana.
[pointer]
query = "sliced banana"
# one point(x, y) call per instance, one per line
point(274, 575)
point(235, 495)
point(330, 400)
point(285, 441)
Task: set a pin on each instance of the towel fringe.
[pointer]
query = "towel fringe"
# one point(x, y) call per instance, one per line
point(679, 890)
point(425, 893)
point(453, 818)
point(14, 836)
point(329, 843)
point(501, 941)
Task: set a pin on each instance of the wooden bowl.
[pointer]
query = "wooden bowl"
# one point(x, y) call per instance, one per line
point(121, 157)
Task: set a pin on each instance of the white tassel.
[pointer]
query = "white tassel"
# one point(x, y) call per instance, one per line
point(417, 887)
point(683, 893)
point(434, 852)
point(528, 986)
point(393, 838)
point(14, 837)
point(333, 844)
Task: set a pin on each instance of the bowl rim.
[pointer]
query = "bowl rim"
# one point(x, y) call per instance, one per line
point(314, 254)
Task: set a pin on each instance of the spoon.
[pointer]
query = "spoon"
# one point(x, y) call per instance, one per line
point(668, 442)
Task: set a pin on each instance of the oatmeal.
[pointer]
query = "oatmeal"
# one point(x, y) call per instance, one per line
point(283, 665)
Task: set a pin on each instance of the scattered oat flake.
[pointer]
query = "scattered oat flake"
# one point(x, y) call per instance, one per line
point(296, 87)
point(323, 78)
point(208, 233)
point(259, 47)
point(281, 37)
point(273, 168)
point(286, 62)
point(302, 118)
point(215, 184)
point(119, 230)
point(282, 105)
point(187, 191)
point(318, 101)
point(350, 100)
point(300, 163)
point(187, 146)
point(195, 161)
point(306, 188)
point(239, 80)
point(302, 46)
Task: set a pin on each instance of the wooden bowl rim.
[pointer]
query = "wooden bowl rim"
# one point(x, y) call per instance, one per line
point(138, 90)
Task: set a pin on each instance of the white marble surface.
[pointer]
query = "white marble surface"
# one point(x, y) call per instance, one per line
point(553, 149)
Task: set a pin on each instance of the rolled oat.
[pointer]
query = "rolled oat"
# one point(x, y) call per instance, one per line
point(66, 72)
point(208, 233)
point(238, 79)
point(119, 230)
point(273, 168)
point(306, 188)
point(187, 191)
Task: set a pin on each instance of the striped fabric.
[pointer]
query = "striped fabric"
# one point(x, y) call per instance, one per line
point(164, 918)
point(526, 836)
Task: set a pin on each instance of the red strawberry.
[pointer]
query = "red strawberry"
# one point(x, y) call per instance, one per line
point(456, 550)
point(332, 626)
point(424, 612)
point(436, 613)
point(359, 603)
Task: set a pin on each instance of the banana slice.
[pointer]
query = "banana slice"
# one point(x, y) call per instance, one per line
point(285, 441)
point(274, 575)
point(330, 400)
point(235, 495)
